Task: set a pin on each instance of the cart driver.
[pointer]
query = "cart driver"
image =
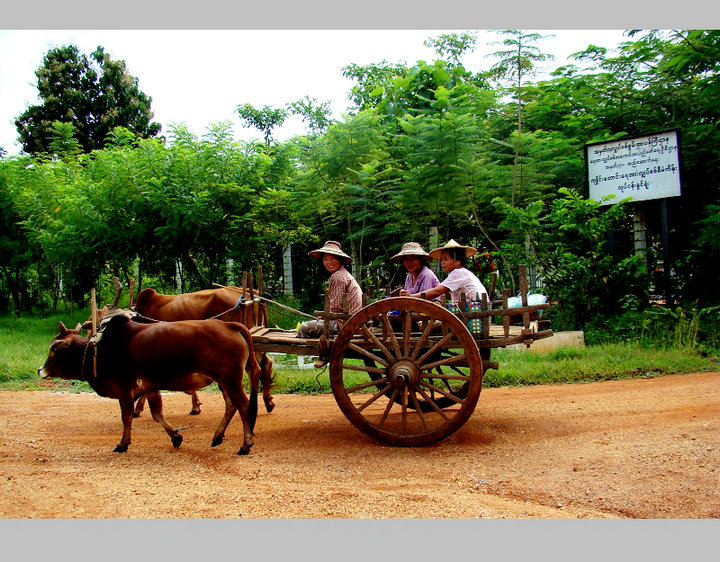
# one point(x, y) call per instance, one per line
point(341, 281)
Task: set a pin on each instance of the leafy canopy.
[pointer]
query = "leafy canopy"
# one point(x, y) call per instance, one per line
point(92, 94)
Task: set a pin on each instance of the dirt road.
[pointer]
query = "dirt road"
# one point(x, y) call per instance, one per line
point(644, 448)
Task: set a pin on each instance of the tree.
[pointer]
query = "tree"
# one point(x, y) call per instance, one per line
point(315, 115)
point(453, 45)
point(264, 120)
point(516, 63)
point(94, 95)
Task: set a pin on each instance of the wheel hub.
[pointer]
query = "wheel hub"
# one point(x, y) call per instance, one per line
point(404, 374)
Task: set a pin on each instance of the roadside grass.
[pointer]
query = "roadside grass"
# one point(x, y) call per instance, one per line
point(24, 344)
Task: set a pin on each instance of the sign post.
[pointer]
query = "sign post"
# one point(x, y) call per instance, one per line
point(641, 168)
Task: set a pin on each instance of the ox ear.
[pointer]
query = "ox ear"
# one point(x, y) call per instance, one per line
point(86, 326)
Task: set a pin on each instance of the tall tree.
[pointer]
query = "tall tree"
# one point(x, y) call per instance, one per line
point(264, 120)
point(94, 94)
point(452, 45)
point(516, 63)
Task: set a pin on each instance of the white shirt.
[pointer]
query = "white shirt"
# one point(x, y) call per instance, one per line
point(462, 280)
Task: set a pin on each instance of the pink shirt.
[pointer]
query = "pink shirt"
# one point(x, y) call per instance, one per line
point(426, 281)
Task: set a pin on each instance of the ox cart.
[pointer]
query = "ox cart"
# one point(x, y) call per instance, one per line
point(403, 370)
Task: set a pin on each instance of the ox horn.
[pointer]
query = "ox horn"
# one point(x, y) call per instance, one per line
point(118, 291)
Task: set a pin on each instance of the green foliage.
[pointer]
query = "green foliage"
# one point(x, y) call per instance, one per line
point(428, 145)
point(568, 248)
point(89, 96)
point(453, 45)
point(315, 115)
point(264, 120)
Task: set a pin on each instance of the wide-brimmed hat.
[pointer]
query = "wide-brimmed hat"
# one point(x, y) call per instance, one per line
point(330, 247)
point(410, 249)
point(452, 245)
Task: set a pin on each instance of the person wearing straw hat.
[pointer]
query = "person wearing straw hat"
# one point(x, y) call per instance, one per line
point(453, 259)
point(341, 281)
point(419, 276)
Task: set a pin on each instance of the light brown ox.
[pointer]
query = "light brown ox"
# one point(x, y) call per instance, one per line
point(218, 303)
point(135, 360)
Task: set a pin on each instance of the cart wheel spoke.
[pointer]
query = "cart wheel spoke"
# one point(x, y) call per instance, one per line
point(391, 335)
point(388, 407)
point(419, 411)
point(373, 398)
point(445, 361)
point(423, 339)
point(369, 354)
point(443, 392)
point(431, 401)
point(364, 385)
point(373, 339)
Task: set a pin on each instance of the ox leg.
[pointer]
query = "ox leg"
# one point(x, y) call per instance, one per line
point(126, 411)
point(230, 410)
point(195, 404)
point(266, 367)
point(237, 397)
point(156, 407)
point(139, 405)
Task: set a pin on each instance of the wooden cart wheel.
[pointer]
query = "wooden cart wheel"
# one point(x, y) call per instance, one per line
point(423, 384)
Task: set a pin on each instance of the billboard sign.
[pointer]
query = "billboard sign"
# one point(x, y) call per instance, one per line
point(642, 167)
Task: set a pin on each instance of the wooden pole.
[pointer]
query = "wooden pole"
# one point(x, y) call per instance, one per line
point(131, 298)
point(93, 313)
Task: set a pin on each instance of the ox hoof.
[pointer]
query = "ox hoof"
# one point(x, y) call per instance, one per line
point(136, 414)
point(216, 441)
point(269, 407)
point(243, 451)
point(176, 440)
point(194, 412)
point(120, 449)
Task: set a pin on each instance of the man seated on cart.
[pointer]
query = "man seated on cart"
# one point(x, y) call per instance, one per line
point(341, 281)
point(453, 261)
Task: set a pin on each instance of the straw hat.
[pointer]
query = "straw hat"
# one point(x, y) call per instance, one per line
point(452, 245)
point(333, 248)
point(409, 249)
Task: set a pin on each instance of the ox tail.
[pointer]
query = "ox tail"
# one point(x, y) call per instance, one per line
point(253, 408)
point(254, 373)
point(254, 385)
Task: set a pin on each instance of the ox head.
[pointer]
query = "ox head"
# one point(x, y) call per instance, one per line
point(65, 357)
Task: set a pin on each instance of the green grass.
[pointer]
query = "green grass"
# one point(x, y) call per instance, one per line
point(24, 344)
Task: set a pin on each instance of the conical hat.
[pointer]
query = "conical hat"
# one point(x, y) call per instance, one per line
point(410, 249)
point(333, 248)
point(452, 245)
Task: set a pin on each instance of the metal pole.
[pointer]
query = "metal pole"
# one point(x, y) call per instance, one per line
point(666, 249)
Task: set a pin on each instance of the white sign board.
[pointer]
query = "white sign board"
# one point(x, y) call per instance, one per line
point(646, 167)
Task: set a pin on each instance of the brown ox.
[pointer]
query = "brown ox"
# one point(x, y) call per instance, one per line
point(219, 303)
point(134, 360)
